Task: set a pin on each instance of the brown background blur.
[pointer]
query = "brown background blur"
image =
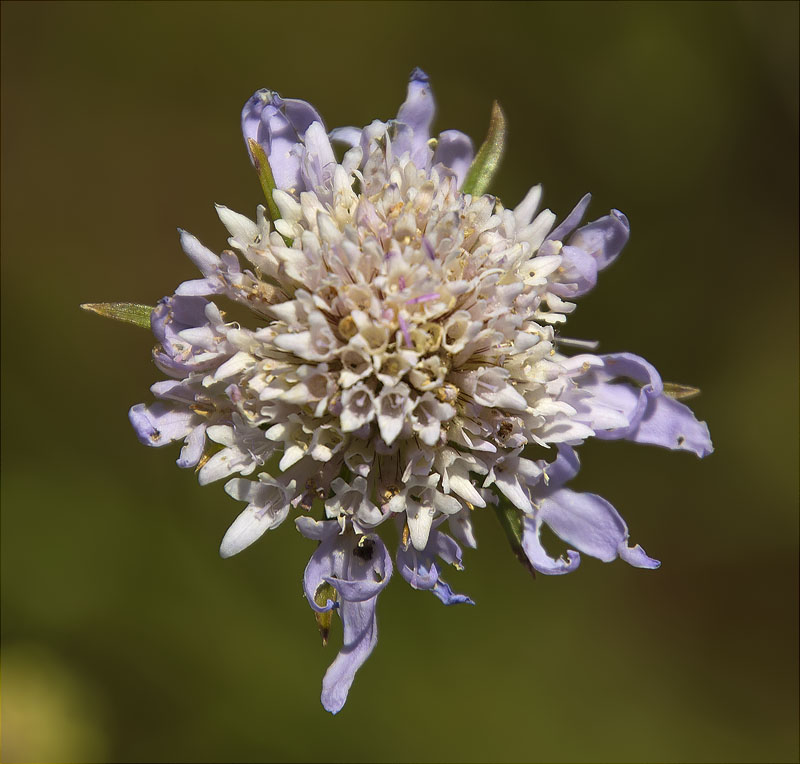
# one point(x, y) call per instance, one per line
point(126, 638)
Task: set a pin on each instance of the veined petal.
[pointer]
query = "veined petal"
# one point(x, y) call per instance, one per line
point(590, 524)
point(358, 571)
point(672, 424)
point(653, 417)
point(159, 424)
point(538, 556)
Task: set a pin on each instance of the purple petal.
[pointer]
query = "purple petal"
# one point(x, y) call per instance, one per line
point(607, 386)
point(443, 591)
point(418, 576)
point(636, 557)
point(350, 136)
point(589, 250)
point(366, 571)
point(300, 114)
point(563, 469)
point(358, 572)
point(322, 565)
point(360, 637)
point(653, 417)
point(603, 238)
point(198, 287)
point(420, 570)
point(174, 314)
point(193, 449)
point(672, 424)
point(277, 125)
point(579, 275)
point(417, 112)
point(590, 524)
point(569, 223)
point(455, 151)
point(160, 423)
point(538, 557)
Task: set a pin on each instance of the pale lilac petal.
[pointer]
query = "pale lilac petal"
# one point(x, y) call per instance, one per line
point(251, 114)
point(205, 260)
point(417, 112)
point(315, 529)
point(420, 570)
point(160, 423)
point(455, 151)
point(563, 469)
point(350, 136)
point(320, 160)
point(672, 424)
point(278, 126)
point(443, 591)
point(636, 557)
point(360, 627)
point(358, 569)
point(418, 109)
point(359, 596)
point(653, 417)
point(568, 224)
point(300, 113)
point(603, 238)
point(418, 577)
point(325, 561)
point(460, 525)
point(174, 314)
point(579, 275)
point(538, 556)
point(585, 521)
point(199, 287)
point(590, 524)
point(193, 449)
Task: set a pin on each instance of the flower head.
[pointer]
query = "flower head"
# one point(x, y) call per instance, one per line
point(402, 362)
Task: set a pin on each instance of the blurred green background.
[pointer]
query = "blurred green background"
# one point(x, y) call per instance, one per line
point(126, 638)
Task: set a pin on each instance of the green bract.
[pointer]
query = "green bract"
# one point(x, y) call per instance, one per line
point(128, 312)
point(487, 161)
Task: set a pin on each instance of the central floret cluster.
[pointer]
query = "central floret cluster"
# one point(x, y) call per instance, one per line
point(398, 359)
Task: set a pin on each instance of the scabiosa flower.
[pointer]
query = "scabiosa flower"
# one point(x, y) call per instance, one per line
point(402, 362)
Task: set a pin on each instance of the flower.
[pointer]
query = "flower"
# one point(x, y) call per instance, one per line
point(402, 362)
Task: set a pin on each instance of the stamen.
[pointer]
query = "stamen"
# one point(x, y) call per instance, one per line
point(583, 344)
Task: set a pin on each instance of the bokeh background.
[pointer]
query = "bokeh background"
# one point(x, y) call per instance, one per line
point(126, 638)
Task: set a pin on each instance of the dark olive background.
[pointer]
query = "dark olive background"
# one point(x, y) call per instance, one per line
point(126, 638)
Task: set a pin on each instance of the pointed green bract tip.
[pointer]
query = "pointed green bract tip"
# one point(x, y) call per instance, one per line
point(511, 521)
point(265, 177)
point(680, 392)
point(486, 162)
point(127, 312)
